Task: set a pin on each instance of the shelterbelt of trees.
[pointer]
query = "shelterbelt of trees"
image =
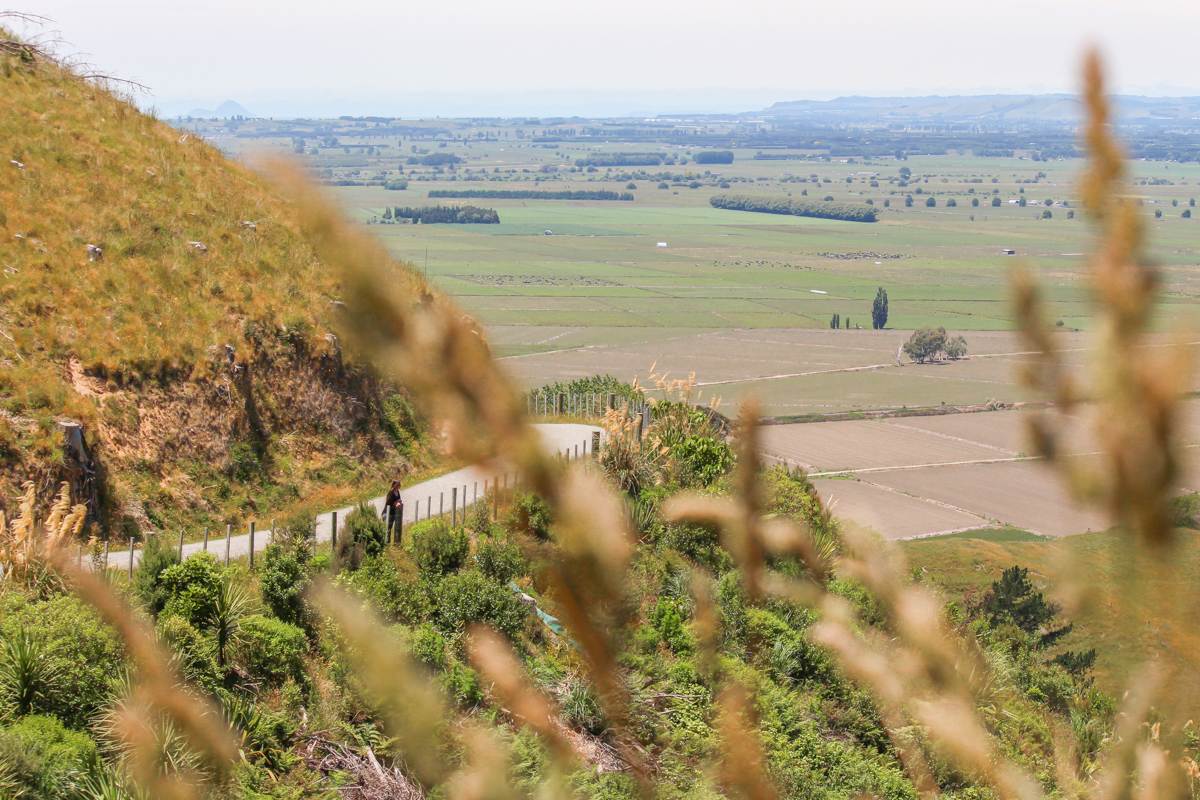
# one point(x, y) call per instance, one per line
point(624, 160)
point(534, 194)
point(797, 208)
point(460, 215)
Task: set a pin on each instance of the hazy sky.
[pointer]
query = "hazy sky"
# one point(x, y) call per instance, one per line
point(288, 57)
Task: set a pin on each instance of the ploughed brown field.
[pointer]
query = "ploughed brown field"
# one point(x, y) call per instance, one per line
point(920, 476)
point(791, 371)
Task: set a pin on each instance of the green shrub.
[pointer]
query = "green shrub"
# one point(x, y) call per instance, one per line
point(699, 543)
point(530, 515)
point(439, 548)
point(243, 462)
point(399, 597)
point(465, 598)
point(428, 646)
point(81, 652)
point(365, 533)
point(702, 459)
point(284, 581)
point(731, 604)
point(461, 683)
point(40, 758)
point(500, 560)
point(669, 619)
point(195, 654)
point(147, 579)
point(271, 650)
point(191, 588)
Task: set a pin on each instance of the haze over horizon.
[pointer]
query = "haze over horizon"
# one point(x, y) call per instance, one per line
point(534, 57)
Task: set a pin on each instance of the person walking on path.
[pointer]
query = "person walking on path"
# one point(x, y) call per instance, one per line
point(393, 509)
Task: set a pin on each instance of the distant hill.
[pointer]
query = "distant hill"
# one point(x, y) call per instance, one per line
point(157, 298)
point(1054, 109)
point(226, 110)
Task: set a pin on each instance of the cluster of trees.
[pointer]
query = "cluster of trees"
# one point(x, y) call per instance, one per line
point(714, 157)
point(621, 160)
point(534, 194)
point(836, 322)
point(458, 215)
point(847, 212)
point(934, 344)
point(435, 160)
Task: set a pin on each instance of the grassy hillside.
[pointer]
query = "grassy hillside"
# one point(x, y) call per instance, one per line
point(197, 334)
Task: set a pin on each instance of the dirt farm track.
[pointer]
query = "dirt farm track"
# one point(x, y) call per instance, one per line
point(921, 476)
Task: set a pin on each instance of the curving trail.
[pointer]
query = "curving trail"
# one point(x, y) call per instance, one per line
point(420, 499)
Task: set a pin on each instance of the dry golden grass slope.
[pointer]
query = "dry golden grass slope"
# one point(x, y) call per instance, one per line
point(197, 255)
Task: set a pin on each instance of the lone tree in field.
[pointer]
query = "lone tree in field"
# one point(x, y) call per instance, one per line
point(879, 310)
point(956, 348)
point(926, 344)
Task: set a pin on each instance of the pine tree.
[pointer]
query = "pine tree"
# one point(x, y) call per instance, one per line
point(879, 310)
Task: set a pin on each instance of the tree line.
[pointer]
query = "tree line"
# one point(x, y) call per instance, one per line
point(534, 194)
point(435, 159)
point(714, 157)
point(621, 160)
point(798, 208)
point(458, 215)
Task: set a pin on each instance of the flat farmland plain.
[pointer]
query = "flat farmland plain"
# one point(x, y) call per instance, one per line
point(602, 269)
point(796, 371)
point(921, 476)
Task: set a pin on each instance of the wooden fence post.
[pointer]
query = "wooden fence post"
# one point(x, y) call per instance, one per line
point(228, 534)
point(333, 532)
point(131, 556)
point(206, 540)
point(454, 505)
point(252, 524)
point(106, 543)
point(181, 544)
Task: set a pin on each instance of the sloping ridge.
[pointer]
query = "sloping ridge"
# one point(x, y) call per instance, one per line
point(160, 296)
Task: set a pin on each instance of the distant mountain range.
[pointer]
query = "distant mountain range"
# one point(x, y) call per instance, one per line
point(987, 109)
point(224, 111)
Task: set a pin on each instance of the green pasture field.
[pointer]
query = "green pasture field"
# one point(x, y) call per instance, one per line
point(600, 278)
point(726, 269)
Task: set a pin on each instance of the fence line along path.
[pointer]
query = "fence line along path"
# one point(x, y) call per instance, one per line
point(437, 496)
